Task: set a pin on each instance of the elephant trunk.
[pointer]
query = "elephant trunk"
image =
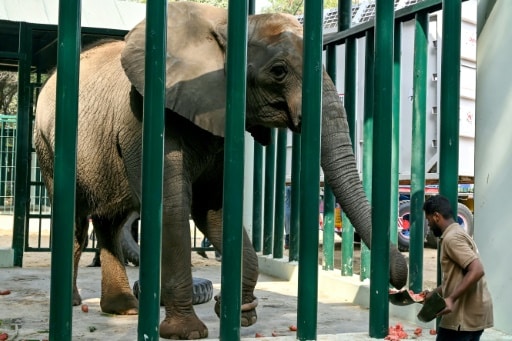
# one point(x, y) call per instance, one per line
point(340, 172)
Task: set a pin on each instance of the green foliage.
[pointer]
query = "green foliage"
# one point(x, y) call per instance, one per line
point(8, 92)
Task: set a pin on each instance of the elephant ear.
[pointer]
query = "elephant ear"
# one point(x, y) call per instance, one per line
point(195, 76)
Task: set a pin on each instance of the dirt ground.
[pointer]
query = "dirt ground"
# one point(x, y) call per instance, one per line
point(26, 310)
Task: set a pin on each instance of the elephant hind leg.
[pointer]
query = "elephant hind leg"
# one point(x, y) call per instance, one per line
point(116, 294)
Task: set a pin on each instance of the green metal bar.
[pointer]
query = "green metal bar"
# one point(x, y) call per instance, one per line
point(231, 271)
point(329, 199)
point(280, 188)
point(450, 101)
point(310, 160)
point(381, 185)
point(404, 14)
point(347, 247)
point(293, 252)
point(152, 170)
point(257, 205)
point(21, 191)
point(368, 139)
point(419, 114)
point(268, 215)
point(66, 123)
point(395, 139)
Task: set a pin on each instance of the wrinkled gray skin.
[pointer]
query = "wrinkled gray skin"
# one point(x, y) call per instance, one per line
point(109, 148)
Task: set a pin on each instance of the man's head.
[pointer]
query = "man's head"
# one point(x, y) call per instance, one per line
point(439, 213)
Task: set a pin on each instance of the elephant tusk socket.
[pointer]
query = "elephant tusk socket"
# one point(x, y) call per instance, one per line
point(246, 306)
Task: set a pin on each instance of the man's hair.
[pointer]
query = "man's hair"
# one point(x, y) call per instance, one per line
point(439, 204)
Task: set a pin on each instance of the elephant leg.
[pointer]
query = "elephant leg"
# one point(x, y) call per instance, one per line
point(116, 294)
point(181, 321)
point(212, 228)
point(81, 229)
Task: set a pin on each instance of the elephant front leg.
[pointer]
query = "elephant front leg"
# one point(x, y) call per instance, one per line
point(181, 321)
point(249, 272)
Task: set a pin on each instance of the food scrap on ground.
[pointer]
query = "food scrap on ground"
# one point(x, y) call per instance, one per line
point(396, 333)
point(5, 292)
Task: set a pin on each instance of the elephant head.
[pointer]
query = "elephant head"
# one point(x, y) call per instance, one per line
point(196, 90)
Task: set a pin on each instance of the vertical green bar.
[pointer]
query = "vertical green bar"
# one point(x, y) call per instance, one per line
point(257, 205)
point(395, 139)
point(63, 212)
point(231, 271)
point(381, 185)
point(268, 214)
point(280, 188)
point(21, 194)
point(450, 101)
point(419, 114)
point(347, 248)
point(293, 253)
point(329, 200)
point(310, 170)
point(152, 170)
point(368, 138)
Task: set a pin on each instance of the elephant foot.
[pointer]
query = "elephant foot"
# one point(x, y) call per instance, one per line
point(183, 328)
point(248, 311)
point(120, 304)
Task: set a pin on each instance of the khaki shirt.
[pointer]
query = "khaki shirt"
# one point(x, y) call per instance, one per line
point(473, 310)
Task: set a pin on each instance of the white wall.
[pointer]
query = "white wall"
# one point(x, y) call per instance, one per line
point(493, 160)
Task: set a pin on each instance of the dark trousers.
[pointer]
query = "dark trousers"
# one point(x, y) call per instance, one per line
point(454, 335)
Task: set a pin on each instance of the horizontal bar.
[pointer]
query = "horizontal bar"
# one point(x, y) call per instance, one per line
point(404, 14)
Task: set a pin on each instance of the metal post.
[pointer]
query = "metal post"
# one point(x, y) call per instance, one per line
point(257, 197)
point(368, 139)
point(231, 272)
point(450, 102)
point(347, 248)
point(395, 139)
point(418, 157)
point(22, 188)
point(381, 185)
point(329, 200)
point(152, 170)
point(64, 192)
point(310, 160)
point(268, 215)
point(293, 254)
point(280, 189)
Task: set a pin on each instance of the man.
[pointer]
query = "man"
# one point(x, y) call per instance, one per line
point(468, 301)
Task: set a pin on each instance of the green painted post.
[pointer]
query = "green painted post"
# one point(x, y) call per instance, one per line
point(347, 248)
point(21, 194)
point(419, 115)
point(293, 252)
point(280, 188)
point(329, 200)
point(450, 97)
point(63, 212)
point(231, 271)
point(310, 170)
point(395, 139)
point(268, 215)
point(381, 185)
point(257, 196)
point(368, 138)
point(152, 170)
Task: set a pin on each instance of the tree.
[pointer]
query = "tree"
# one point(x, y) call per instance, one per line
point(8, 92)
point(294, 7)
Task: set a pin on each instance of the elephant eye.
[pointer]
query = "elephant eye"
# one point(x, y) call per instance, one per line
point(279, 71)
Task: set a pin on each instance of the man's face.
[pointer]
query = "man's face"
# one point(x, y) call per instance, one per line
point(433, 223)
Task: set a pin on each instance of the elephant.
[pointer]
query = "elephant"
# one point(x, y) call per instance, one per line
point(109, 148)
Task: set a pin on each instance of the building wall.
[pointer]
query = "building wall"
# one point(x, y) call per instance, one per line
point(493, 160)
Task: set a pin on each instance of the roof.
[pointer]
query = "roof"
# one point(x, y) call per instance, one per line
point(100, 19)
point(114, 14)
